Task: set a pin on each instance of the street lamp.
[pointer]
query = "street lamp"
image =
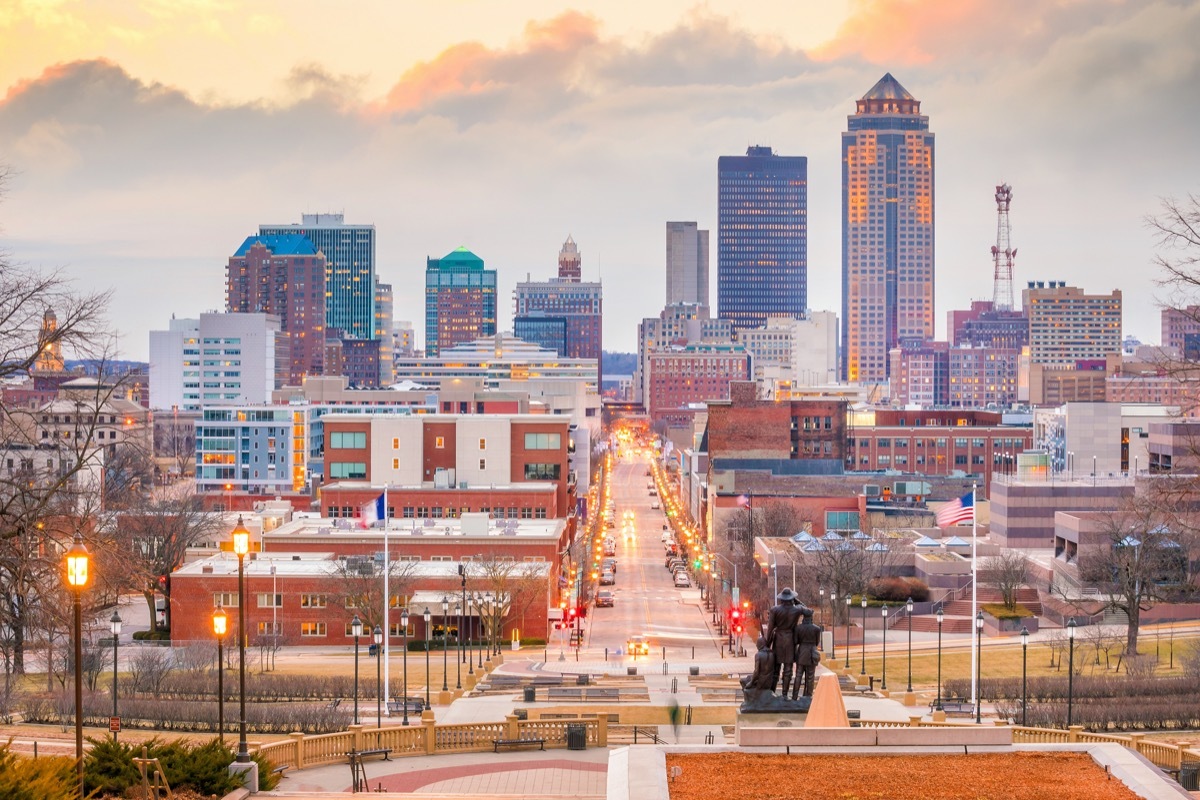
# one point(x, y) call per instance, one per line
point(356, 629)
point(458, 612)
point(220, 622)
point(940, 618)
point(404, 627)
point(1070, 668)
point(241, 546)
point(428, 616)
point(979, 667)
point(445, 630)
point(864, 641)
point(1024, 660)
point(114, 625)
point(908, 606)
point(479, 613)
point(847, 633)
point(464, 654)
point(77, 578)
point(377, 635)
point(833, 625)
point(883, 683)
point(820, 603)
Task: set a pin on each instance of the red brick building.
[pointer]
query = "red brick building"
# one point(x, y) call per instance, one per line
point(744, 427)
point(693, 374)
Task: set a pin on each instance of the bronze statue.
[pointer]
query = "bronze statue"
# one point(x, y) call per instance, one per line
point(781, 637)
point(763, 676)
point(808, 654)
point(758, 698)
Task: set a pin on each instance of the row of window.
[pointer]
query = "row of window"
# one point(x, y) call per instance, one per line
point(447, 512)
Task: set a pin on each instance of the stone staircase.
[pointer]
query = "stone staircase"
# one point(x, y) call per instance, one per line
point(958, 612)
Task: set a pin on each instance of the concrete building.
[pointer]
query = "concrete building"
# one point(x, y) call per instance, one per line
point(1068, 326)
point(744, 427)
point(283, 275)
point(983, 377)
point(383, 332)
point(677, 325)
point(1181, 331)
point(762, 236)
point(984, 326)
point(1101, 439)
point(255, 450)
point(800, 352)
point(564, 313)
point(349, 252)
point(218, 359)
point(460, 300)
point(920, 374)
point(887, 229)
point(404, 339)
point(1023, 510)
point(687, 264)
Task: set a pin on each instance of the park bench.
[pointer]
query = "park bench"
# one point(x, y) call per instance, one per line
point(498, 743)
point(954, 707)
point(547, 680)
point(415, 705)
point(602, 694)
point(359, 755)
point(334, 703)
point(563, 693)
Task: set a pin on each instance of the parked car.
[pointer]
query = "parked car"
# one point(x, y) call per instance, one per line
point(609, 564)
point(655, 505)
point(607, 578)
point(604, 599)
point(681, 580)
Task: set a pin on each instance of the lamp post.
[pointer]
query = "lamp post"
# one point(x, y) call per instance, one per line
point(445, 630)
point(404, 627)
point(979, 667)
point(427, 616)
point(241, 546)
point(847, 633)
point(458, 612)
point(465, 654)
point(1070, 668)
point(1024, 659)
point(820, 603)
point(937, 706)
point(883, 682)
point(833, 625)
point(908, 606)
point(864, 641)
point(377, 635)
point(356, 629)
point(114, 623)
point(479, 613)
point(77, 578)
point(220, 623)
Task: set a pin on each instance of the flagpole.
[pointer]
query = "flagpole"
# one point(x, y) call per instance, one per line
point(387, 603)
point(974, 592)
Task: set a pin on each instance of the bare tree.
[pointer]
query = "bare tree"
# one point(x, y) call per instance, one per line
point(501, 589)
point(360, 587)
point(1007, 573)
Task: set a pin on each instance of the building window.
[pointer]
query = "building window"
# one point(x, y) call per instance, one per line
point(542, 472)
point(408, 512)
point(539, 513)
point(439, 442)
point(395, 630)
point(225, 599)
point(483, 444)
point(268, 600)
point(341, 440)
point(441, 558)
point(482, 464)
point(841, 521)
point(543, 441)
point(265, 628)
point(395, 444)
point(395, 463)
point(312, 628)
point(526, 513)
point(312, 601)
point(347, 470)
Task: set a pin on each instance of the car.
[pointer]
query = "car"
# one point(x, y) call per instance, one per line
point(655, 505)
point(647, 473)
point(675, 563)
point(607, 578)
point(604, 599)
point(637, 646)
point(681, 581)
point(609, 564)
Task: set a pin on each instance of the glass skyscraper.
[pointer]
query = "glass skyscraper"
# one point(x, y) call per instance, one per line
point(762, 236)
point(887, 230)
point(460, 300)
point(349, 252)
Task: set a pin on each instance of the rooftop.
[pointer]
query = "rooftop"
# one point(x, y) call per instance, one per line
point(291, 244)
point(471, 526)
point(888, 88)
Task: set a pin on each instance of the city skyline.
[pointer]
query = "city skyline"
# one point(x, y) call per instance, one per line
point(129, 165)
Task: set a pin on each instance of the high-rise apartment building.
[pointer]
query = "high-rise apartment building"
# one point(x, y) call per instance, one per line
point(1067, 326)
point(687, 264)
point(460, 300)
point(283, 275)
point(563, 313)
point(887, 229)
point(349, 252)
point(1181, 330)
point(383, 332)
point(762, 236)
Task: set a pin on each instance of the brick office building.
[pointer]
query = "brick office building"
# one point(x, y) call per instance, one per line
point(745, 427)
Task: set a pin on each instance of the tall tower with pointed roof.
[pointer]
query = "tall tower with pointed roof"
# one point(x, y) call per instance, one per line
point(570, 263)
point(887, 230)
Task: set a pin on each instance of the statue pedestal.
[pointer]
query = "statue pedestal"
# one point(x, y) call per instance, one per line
point(910, 698)
point(939, 716)
point(770, 720)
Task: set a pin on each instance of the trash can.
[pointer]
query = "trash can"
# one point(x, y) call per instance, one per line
point(521, 713)
point(530, 694)
point(581, 680)
point(854, 715)
point(1189, 775)
point(576, 736)
point(693, 670)
point(631, 670)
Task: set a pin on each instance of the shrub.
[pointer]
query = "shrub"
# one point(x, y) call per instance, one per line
point(998, 611)
point(108, 767)
point(36, 779)
point(898, 590)
point(160, 635)
point(267, 780)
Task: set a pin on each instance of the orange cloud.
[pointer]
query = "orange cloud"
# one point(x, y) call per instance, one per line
point(544, 50)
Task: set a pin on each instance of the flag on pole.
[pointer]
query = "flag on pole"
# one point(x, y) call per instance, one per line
point(373, 511)
point(961, 510)
point(743, 501)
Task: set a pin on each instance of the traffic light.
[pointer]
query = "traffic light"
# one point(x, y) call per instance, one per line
point(737, 628)
point(696, 564)
point(574, 612)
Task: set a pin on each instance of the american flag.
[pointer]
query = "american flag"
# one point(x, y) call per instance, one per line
point(961, 510)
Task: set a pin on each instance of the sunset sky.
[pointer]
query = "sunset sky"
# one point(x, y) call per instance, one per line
point(149, 137)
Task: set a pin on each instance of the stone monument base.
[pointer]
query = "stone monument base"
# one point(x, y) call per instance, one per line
point(764, 701)
point(247, 773)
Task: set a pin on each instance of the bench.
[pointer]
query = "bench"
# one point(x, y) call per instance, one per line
point(498, 743)
point(563, 693)
point(954, 707)
point(334, 703)
point(602, 694)
point(415, 705)
point(359, 755)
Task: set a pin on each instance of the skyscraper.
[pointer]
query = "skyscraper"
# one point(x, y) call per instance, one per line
point(349, 252)
point(762, 236)
point(563, 313)
point(687, 264)
point(887, 230)
point(460, 300)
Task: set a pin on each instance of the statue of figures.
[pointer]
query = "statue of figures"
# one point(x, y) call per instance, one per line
point(763, 676)
point(808, 640)
point(781, 637)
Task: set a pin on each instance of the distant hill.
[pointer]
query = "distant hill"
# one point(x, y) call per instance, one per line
point(619, 363)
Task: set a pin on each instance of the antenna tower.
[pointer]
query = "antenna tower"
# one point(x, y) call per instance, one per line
point(1003, 252)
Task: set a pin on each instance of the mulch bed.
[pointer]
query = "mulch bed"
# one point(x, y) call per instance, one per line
point(982, 776)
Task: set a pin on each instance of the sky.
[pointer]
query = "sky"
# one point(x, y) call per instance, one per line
point(148, 138)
